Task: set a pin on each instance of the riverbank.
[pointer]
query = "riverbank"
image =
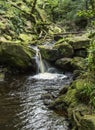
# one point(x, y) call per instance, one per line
point(77, 101)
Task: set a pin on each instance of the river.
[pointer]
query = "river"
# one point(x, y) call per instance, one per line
point(21, 105)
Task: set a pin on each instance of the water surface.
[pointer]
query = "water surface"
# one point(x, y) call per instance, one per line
point(21, 105)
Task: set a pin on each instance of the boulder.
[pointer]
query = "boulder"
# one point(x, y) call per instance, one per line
point(81, 53)
point(78, 63)
point(16, 56)
point(64, 63)
point(54, 52)
point(79, 42)
point(71, 64)
point(49, 53)
point(64, 50)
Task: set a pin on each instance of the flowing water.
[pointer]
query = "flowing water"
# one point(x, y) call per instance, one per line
point(22, 106)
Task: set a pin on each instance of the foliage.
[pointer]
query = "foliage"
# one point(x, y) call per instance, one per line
point(88, 11)
point(91, 57)
point(86, 90)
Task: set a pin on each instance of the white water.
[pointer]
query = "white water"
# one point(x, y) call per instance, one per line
point(39, 61)
point(48, 76)
point(44, 71)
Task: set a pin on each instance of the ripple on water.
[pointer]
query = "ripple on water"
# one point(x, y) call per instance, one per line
point(21, 106)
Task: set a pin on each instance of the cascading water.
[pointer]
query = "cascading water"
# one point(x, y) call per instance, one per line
point(39, 62)
point(45, 71)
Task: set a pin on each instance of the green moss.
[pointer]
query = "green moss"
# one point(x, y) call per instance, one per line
point(60, 41)
point(64, 49)
point(79, 42)
point(17, 56)
point(87, 122)
point(49, 53)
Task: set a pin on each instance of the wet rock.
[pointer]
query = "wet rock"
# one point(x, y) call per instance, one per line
point(16, 56)
point(47, 96)
point(64, 90)
point(47, 102)
point(65, 64)
point(49, 53)
point(71, 64)
point(59, 107)
point(52, 53)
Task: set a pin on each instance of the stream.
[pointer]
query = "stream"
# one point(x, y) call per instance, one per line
point(22, 100)
point(21, 105)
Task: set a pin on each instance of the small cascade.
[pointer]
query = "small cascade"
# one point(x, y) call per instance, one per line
point(45, 71)
point(42, 66)
point(39, 61)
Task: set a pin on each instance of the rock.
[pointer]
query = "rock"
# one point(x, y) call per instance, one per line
point(65, 64)
point(47, 102)
point(78, 63)
point(64, 90)
point(47, 96)
point(64, 50)
point(59, 107)
point(79, 42)
point(71, 64)
point(81, 53)
point(16, 56)
point(54, 52)
point(49, 53)
point(76, 73)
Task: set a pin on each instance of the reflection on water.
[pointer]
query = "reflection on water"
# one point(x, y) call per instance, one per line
point(21, 106)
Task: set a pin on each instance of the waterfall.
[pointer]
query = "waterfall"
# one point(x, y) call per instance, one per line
point(39, 62)
point(42, 66)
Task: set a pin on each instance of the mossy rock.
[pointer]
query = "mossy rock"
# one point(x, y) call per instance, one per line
point(87, 122)
point(64, 49)
point(48, 53)
point(65, 64)
point(63, 90)
point(64, 101)
point(78, 63)
point(79, 42)
point(60, 41)
point(71, 64)
point(80, 53)
point(16, 56)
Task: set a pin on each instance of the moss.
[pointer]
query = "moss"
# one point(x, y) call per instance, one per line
point(79, 42)
point(78, 63)
point(16, 56)
point(87, 122)
point(49, 53)
point(60, 41)
point(71, 64)
point(70, 97)
point(64, 49)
